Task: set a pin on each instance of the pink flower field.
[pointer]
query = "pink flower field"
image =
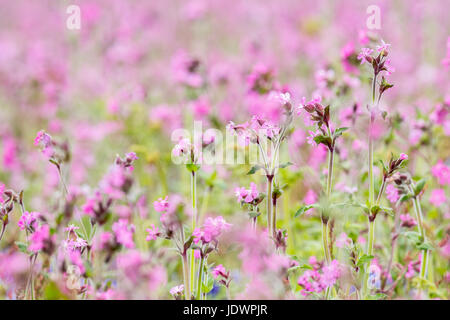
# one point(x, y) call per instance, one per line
point(224, 150)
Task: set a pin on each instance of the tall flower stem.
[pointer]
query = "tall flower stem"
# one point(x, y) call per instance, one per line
point(269, 204)
point(194, 221)
point(326, 242)
point(274, 216)
point(186, 277)
point(419, 216)
point(371, 220)
point(200, 279)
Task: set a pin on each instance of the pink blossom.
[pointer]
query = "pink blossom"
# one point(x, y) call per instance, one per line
point(211, 230)
point(247, 195)
point(392, 193)
point(383, 47)
point(161, 205)
point(310, 138)
point(438, 197)
point(177, 290)
point(403, 156)
point(124, 233)
point(2, 190)
point(310, 197)
point(407, 221)
point(38, 238)
point(130, 263)
point(441, 172)
point(364, 54)
point(343, 240)
point(219, 271)
point(153, 233)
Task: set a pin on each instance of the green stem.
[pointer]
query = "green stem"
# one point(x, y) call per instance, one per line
point(371, 188)
point(200, 279)
point(380, 193)
point(325, 241)
point(194, 221)
point(419, 216)
point(269, 204)
point(186, 279)
point(274, 216)
point(330, 172)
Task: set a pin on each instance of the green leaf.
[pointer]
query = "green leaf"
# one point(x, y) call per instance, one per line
point(419, 186)
point(322, 139)
point(378, 296)
point(405, 197)
point(188, 243)
point(22, 246)
point(52, 292)
point(303, 209)
point(192, 167)
point(364, 259)
point(254, 214)
point(383, 165)
point(284, 165)
point(254, 169)
point(207, 286)
point(339, 131)
point(424, 246)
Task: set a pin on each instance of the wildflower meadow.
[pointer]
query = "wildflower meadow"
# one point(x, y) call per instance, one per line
point(224, 150)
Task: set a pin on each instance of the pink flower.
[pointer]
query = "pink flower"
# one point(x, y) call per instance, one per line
point(131, 156)
point(392, 193)
point(211, 230)
point(124, 233)
point(44, 138)
point(177, 290)
point(383, 47)
point(310, 138)
point(28, 220)
point(153, 233)
point(441, 172)
point(364, 55)
point(161, 205)
point(310, 197)
point(2, 190)
point(403, 156)
point(38, 238)
point(407, 221)
point(438, 197)
point(46, 141)
point(130, 263)
point(343, 240)
point(389, 68)
point(219, 271)
point(247, 195)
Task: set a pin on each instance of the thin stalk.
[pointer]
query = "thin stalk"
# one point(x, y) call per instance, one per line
point(419, 216)
point(371, 187)
point(194, 221)
point(330, 172)
point(3, 231)
point(200, 279)
point(274, 216)
point(269, 204)
point(380, 193)
point(325, 241)
point(186, 277)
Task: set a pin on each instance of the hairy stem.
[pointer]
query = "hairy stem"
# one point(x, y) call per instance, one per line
point(200, 279)
point(194, 222)
point(269, 204)
point(186, 277)
point(419, 216)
